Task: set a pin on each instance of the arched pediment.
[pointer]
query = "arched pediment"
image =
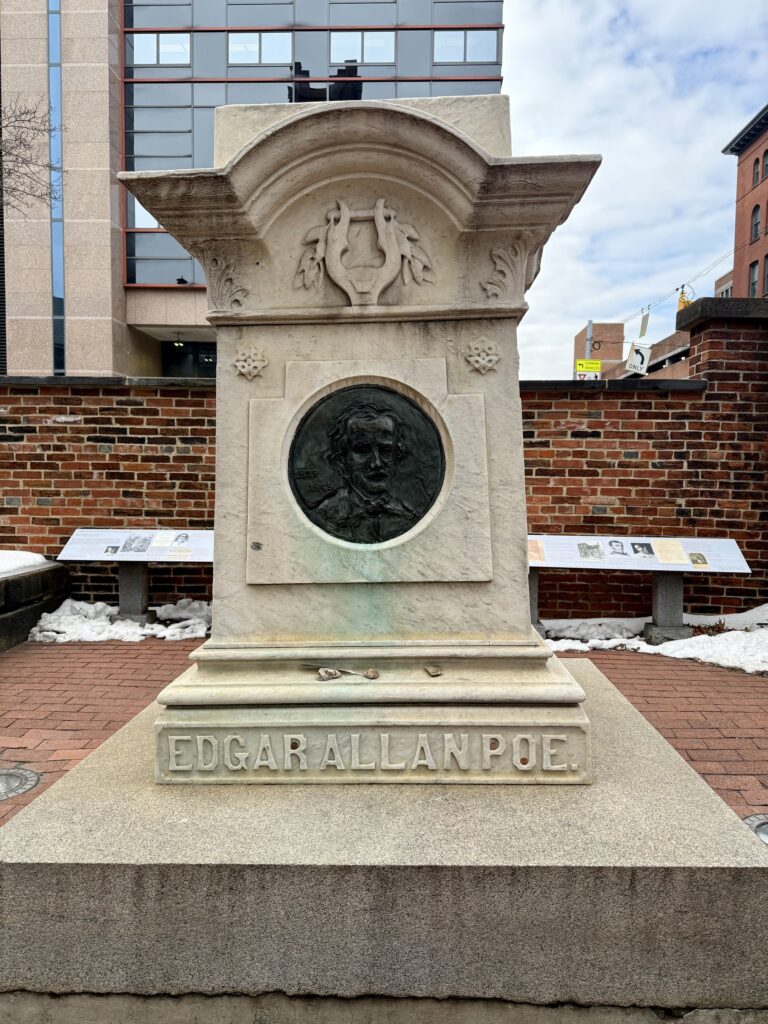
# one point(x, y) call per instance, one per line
point(372, 141)
point(286, 221)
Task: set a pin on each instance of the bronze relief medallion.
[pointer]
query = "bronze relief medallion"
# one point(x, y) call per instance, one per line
point(366, 464)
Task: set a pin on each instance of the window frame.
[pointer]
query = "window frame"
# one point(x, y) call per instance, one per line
point(755, 220)
point(363, 59)
point(260, 62)
point(465, 32)
point(765, 165)
point(765, 275)
point(157, 63)
point(756, 172)
point(752, 280)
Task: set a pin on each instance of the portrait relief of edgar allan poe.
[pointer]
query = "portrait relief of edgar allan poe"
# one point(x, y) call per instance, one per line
point(366, 444)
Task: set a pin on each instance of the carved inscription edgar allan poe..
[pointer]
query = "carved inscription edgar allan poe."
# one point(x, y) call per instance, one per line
point(373, 750)
point(366, 463)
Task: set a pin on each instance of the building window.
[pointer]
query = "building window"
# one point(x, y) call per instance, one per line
point(151, 48)
point(260, 48)
point(765, 164)
point(755, 232)
point(470, 46)
point(752, 288)
point(56, 179)
point(765, 275)
point(188, 359)
point(756, 172)
point(363, 47)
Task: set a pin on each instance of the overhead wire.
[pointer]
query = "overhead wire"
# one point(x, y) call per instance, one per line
point(665, 298)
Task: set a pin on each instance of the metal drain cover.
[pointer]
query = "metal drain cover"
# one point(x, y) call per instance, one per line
point(759, 825)
point(14, 781)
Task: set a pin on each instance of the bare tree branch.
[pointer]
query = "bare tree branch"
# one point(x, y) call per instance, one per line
point(25, 167)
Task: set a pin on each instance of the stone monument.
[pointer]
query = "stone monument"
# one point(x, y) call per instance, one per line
point(367, 265)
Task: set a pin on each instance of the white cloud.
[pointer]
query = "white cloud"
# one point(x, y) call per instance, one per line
point(658, 87)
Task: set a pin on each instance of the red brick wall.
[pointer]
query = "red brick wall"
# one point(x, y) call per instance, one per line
point(108, 456)
point(674, 463)
point(635, 457)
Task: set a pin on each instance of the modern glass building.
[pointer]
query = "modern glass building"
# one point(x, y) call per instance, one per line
point(184, 59)
point(147, 76)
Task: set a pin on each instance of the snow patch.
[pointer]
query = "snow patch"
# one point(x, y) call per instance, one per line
point(13, 561)
point(76, 621)
point(593, 629)
point(745, 649)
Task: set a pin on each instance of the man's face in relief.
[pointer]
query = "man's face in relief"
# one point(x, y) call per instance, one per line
point(371, 454)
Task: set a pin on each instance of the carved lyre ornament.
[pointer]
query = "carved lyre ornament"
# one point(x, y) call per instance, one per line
point(225, 292)
point(512, 277)
point(362, 265)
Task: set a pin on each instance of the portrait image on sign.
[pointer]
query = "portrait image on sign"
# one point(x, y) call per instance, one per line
point(366, 464)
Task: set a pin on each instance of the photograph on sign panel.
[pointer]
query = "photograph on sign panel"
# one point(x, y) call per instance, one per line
point(536, 551)
point(642, 549)
point(591, 551)
point(137, 543)
point(616, 548)
point(698, 560)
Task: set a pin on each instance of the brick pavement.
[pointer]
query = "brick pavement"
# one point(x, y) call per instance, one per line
point(59, 702)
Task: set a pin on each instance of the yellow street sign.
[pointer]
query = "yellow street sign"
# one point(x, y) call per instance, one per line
point(589, 365)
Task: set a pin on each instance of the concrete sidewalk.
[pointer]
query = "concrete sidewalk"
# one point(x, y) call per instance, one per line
point(59, 702)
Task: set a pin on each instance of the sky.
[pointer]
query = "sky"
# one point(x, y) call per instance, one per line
point(658, 88)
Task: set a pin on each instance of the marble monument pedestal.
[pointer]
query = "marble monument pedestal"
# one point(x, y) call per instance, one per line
point(458, 713)
point(367, 265)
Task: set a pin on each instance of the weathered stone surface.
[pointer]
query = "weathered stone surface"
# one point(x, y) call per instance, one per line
point(342, 744)
point(484, 119)
point(493, 892)
point(31, 1008)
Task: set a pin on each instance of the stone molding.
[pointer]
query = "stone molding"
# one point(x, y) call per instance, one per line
point(368, 150)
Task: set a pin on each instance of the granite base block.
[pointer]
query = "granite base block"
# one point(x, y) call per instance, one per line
point(653, 634)
point(31, 1008)
point(641, 891)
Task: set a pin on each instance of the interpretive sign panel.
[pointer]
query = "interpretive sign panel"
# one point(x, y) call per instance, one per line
point(138, 546)
point(657, 554)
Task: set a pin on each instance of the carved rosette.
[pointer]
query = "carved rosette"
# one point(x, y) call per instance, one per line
point(482, 356)
point(225, 292)
point(337, 249)
point(250, 362)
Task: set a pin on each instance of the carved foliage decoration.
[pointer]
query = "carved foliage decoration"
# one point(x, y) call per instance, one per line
point(516, 266)
point(225, 292)
point(360, 265)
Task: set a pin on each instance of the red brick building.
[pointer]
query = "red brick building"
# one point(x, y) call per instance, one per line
point(750, 259)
